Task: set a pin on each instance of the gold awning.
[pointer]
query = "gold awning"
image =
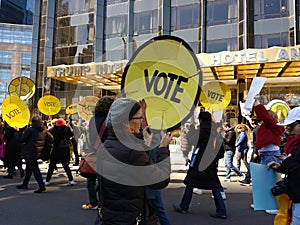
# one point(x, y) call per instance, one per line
point(271, 63)
point(106, 75)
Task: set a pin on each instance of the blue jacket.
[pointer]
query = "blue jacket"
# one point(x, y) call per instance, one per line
point(242, 142)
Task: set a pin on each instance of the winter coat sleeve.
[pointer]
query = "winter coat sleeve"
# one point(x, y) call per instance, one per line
point(23, 137)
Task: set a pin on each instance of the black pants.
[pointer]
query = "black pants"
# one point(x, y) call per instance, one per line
point(52, 166)
point(33, 167)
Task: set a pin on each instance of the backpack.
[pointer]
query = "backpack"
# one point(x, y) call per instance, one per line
point(48, 146)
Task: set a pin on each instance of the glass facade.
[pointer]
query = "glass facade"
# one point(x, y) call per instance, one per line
point(16, 11)
point(15, 34)
point(273, 23)
point(221, 26)
point(15, 54)
point(74, 32)
point(98, 31)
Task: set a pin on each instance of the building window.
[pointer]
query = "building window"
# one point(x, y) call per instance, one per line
point(5, 57)
point(145, 22)
point(71, 7)
point(221, 12)
point(113, 2)
point(116, 26)
point(3, 87)
point(266, 9)
point(185, 17)
point(267, 41)
point(25, 73)
point(26, 58)
point(229, 44)
point(5, 74)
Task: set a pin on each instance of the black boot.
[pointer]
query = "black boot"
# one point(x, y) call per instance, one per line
point(22, 173)
point(40, 190)
point(8, 176)
point(22, 186)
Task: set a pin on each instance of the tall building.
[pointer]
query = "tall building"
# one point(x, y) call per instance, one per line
point(16, 11)
point(70, 34)
point(15, 54)
point(16, 18)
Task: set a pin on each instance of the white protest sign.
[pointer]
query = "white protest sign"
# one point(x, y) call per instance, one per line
point(255, 88)
point(243, 110)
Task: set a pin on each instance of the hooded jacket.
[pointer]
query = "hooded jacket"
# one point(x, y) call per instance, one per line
point(34, 139)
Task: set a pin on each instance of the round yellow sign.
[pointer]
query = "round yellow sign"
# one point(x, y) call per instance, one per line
point(86, 107)
point(71, 109)
point(22, 87)
point(165, 73)
point(215, 96)
point(15, 112)
point(281, 108)
point(49, 105)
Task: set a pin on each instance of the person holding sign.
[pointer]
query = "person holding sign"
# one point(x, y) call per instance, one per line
point(291, 165)
point(242, 146)
point(34, 138)
point(207, 147)
point(125, 167)
point(268, 136)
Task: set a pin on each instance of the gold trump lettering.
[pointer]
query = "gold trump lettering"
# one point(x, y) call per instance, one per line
point(103, 68)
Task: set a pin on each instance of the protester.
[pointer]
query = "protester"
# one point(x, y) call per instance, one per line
point(229, 146)
point(95, 126)
point(208, 178)
point(126, 169)
point(34, 139)
point(291, 165)
point(61, 150)
point(13, 153)
point(188, 139)
point(242, 146)
point(268, 137)
point(254, 155)
point(155, 195)
point(73, 141)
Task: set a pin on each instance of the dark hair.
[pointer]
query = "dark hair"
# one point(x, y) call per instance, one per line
point(37, 122)
point(136, 107)
point(226, 124)
point(103, 105)
point(205, 116)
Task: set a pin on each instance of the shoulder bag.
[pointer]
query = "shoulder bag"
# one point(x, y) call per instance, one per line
point(87, 164)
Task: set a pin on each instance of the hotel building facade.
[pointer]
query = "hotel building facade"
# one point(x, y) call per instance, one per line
point(235, 41)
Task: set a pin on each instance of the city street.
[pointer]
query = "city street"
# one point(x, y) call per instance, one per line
point(61, 205)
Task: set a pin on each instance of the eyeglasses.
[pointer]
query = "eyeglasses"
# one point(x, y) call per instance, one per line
point(292, 125)
point(138, 118)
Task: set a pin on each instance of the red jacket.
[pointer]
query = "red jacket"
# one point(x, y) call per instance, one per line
point(269, 132)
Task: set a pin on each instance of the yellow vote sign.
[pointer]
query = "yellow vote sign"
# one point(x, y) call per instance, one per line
point(22, 87)
point(49, 105)
point(165, 73)
point(281, 108)
point(215, 96)
point(86, 107)
point(15, 112)
point(71, 109)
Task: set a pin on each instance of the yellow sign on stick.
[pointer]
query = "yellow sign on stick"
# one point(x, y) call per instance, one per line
point(86, 107)
point(49, 105)
point(22, 87)
point(71, 109)
point(165, 73)
point(215, 96)
point(15, 112)
point(281, 108)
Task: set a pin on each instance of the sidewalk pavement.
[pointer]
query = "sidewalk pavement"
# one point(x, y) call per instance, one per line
point(61, 204)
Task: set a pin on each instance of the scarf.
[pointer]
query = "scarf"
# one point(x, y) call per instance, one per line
point(292, 144)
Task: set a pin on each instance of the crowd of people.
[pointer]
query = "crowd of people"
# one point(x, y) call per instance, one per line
point(133, 163)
